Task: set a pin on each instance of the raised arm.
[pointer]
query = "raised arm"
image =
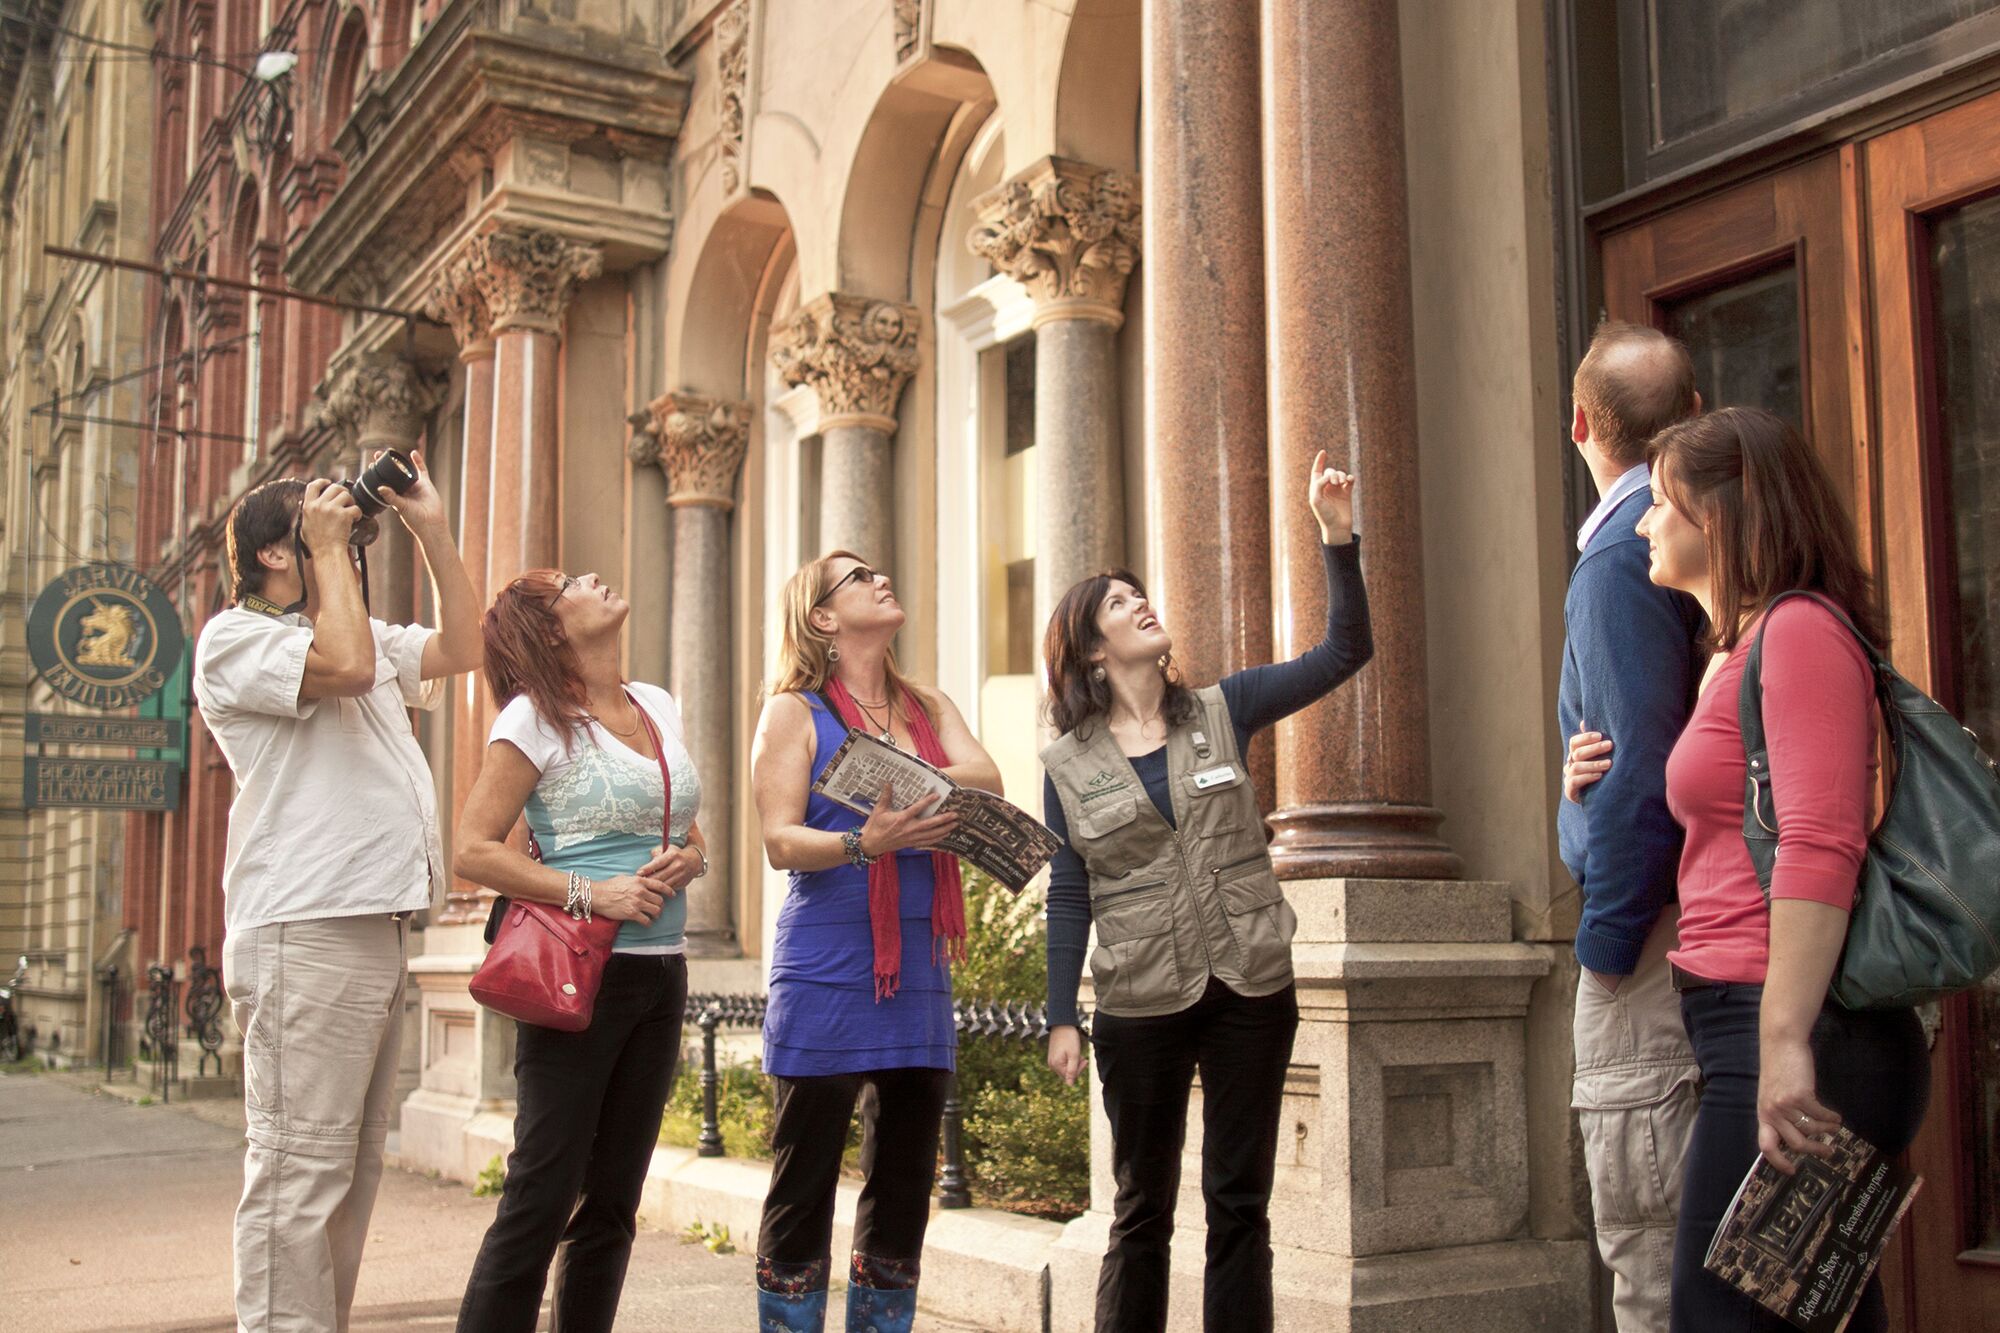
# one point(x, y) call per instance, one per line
point(456, 647)
point(340, 664)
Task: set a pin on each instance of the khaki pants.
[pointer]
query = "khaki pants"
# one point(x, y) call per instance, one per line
point(320, 1005)
point(1635, 1096)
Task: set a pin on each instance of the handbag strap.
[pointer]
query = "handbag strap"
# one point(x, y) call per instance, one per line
point(1760, 809)
point(666, 775)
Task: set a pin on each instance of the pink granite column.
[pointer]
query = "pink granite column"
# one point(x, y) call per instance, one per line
point(1070, 234)
point(1199, 145)
point(526, 276)
point(1354, 770)
point(455, 300)
point(857, 353)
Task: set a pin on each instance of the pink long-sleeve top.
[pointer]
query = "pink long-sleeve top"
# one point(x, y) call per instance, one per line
point(1819, 725)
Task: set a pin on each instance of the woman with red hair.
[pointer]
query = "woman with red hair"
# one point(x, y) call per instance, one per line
point(860, 993)
point(580, 751)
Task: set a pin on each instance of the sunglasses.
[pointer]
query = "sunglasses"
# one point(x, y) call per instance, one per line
point(858, 574)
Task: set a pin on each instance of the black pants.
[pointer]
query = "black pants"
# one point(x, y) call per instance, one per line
point(1871, 1066)
point(1242, 1047)
point(589, 1118)
point(900, 1113)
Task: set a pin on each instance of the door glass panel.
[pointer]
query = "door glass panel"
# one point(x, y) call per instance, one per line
point(1745, 341)
point(1965, 272)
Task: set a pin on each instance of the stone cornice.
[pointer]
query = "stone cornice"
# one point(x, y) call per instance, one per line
point(463, 98)
point(699, 443)
point(1070, 233)
point(856, 352)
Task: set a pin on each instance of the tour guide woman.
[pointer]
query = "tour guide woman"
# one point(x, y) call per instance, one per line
point(1193, 969)
point(1743, 511)
point(579, 750)
point(860, 990)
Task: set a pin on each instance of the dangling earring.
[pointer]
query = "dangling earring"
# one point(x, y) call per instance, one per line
point(833, 653)
point(1099, 674)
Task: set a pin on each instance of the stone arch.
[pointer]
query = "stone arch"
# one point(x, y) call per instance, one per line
point(1097, 89)
point(346, 67)
point(906, 158)
point(242, 235)
point(727, 302)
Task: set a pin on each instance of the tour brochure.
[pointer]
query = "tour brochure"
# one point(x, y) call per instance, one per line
point(999, 837)
point(1804, 1245)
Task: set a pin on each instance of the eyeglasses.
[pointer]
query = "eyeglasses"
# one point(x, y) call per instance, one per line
point(561, 588)
point(858, 574)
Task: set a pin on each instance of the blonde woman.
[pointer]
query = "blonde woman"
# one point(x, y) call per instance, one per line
point(860, 989)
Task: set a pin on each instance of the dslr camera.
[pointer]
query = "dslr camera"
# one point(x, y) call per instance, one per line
point(393, 471)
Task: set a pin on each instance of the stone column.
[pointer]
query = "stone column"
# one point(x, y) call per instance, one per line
point(526, 277)
point(378, 400)
point(1205, 332)
point(455, 300)
point(700, 444)
point(1070, 234)
point(857, 353)
point(1354, 770)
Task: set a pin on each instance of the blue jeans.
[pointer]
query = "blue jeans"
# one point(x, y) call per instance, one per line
point(1871, 1066)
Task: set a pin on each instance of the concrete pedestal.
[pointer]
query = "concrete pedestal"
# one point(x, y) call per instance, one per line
point(462, 1113)
point(1401, 1196)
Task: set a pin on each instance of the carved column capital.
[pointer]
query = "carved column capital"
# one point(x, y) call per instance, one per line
point(1068, 232)
point(454, 299)
point(699, 443)
point(375, 401)
point(856, 352)
point(526, 275)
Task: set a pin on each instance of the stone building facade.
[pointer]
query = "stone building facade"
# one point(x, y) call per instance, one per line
point(75, 146)
point(999, 292)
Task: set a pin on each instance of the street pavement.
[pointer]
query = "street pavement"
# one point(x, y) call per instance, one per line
point(117, 1216)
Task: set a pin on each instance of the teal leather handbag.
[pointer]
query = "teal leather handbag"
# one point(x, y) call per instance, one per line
point(1926, 917)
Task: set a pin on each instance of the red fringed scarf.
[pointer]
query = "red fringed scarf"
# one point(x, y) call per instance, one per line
point(884, 889)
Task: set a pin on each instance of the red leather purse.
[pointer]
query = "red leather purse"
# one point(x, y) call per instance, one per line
point(544, 966)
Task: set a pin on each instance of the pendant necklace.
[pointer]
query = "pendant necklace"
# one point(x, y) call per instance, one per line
point(887, 735)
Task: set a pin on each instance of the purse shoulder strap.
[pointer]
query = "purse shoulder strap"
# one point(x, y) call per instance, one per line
point(666, 773)
point(1760, 811)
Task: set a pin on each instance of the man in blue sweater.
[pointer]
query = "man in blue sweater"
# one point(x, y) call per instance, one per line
point(1631, 668)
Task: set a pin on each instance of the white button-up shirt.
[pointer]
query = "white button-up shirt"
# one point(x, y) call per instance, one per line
point(1636, 478)
point(335, 811)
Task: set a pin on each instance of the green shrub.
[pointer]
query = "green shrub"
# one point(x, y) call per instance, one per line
point(742, 1107)
point(492, 1179)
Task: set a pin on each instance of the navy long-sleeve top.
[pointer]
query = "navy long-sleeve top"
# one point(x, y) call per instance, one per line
point(1632, 667)
point(1257, 697)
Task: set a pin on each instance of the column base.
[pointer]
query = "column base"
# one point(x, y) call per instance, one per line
point(1361, 840)
point(714, 942)
point(1498, 1288)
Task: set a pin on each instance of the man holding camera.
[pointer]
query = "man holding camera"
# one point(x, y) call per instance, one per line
point(333, 844)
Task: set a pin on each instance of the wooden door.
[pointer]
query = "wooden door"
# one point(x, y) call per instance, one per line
point(1759, 282)
point(1932, 192)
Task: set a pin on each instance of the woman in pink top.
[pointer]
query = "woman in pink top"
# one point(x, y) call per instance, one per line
point(1742, 511)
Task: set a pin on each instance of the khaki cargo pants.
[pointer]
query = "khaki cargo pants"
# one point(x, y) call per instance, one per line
point(1635, 1096)
point(320, 1007)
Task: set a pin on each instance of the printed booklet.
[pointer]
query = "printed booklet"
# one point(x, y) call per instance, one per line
point(1804, 1245)
point(994, 834)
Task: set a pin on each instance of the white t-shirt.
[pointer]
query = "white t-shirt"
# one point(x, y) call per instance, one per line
point(335, 811)
point(599, 807)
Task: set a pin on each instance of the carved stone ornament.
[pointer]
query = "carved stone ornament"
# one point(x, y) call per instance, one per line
point(644, 446)
point(1068, 232)
point(857, 353)
point(732, 58)
point(526, 275)
point(454, 299)
point(700, 443)
point(375, 401)
point(909, 25)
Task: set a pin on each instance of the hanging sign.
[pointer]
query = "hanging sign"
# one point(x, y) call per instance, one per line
point(104, 636)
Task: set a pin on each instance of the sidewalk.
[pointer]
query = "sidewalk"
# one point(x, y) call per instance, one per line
point(118, 1217)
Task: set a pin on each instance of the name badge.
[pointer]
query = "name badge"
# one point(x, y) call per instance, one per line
point(1220, 775)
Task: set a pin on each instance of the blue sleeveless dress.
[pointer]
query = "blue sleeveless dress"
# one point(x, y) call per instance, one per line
point(823, 1017)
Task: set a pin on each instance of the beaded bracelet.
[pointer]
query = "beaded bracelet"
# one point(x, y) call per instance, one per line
point(850, 842)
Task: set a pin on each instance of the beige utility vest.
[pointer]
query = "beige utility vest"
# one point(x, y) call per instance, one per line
point(1174, 906)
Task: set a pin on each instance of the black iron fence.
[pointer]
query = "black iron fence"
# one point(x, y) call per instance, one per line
point(982, 1020)
point(204, 1009)
point(159, 1038)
